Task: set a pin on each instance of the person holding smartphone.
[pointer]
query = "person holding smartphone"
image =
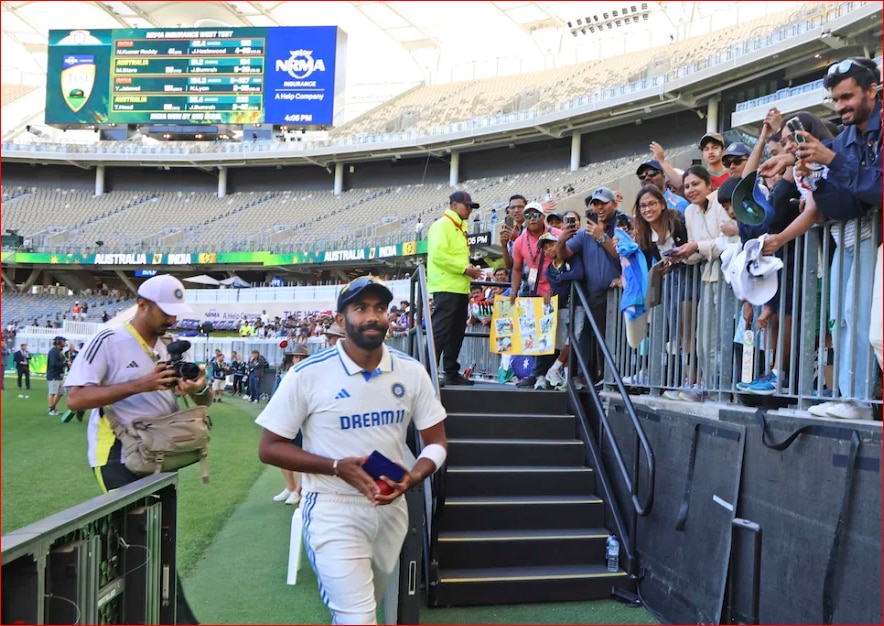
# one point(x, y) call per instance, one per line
point(348, 401)
point(601, 264)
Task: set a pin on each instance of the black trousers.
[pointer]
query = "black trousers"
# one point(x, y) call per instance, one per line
point(449, 326)
point(26, 372)
point(589, 346)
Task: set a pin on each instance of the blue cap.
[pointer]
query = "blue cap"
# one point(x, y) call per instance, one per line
point(749, 202)
point(360, 286)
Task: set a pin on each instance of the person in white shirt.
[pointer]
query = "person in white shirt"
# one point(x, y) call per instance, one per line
point(349, 400)
point(124, 370)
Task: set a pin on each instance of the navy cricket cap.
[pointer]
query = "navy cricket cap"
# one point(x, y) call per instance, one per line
point(464, 198)
point(360, 286)
point(653, 164)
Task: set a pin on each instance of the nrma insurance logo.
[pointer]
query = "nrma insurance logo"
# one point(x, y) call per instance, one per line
point(300, 64)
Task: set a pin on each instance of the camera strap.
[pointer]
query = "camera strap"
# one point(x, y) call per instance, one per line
point(151, 352)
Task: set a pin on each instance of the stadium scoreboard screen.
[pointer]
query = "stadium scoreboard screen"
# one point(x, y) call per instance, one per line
point(251, 75)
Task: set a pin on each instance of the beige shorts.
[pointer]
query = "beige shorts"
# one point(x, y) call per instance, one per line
point(56, 387)
point(218, 384)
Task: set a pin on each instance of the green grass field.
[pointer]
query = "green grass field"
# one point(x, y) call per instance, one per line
point(233, 540)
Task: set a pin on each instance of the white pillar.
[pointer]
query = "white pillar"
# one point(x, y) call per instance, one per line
point(99, 180)
point(339, 178)
point(454, 171)
point(712, 116)
point(222, 182)
point(575, 151)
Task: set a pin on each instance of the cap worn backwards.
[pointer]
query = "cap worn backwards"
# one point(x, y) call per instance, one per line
point(360, 286)
point(167, 292)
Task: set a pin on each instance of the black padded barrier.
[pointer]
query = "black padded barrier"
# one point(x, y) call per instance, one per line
point(684, 544)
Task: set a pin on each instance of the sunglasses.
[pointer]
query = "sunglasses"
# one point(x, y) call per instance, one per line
point(842, 67)
point(362, 281)
point(647, 174)
point(735, 161)
point(532, 215)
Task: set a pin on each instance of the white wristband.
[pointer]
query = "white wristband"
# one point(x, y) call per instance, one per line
point(435, 453)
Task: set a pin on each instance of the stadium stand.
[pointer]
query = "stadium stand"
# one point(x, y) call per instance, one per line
point(67, 220)
point(11, 93)
point(432, 106)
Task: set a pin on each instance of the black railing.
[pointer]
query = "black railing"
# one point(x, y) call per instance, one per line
point(641, 505)
point(422, 347)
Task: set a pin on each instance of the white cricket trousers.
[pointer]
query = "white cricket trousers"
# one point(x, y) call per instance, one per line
point(353, 547)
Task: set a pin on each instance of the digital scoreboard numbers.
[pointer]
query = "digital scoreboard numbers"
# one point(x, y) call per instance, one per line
point(217, 80)
point(252, 75)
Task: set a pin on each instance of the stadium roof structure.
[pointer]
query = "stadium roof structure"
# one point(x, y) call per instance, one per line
point(392, 45)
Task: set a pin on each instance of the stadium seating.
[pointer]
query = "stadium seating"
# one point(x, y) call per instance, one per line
point(62, 221)
point(10, 92)
point(25, 308)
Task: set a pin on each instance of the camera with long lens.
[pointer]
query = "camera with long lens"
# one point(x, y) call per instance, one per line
point(184, 369)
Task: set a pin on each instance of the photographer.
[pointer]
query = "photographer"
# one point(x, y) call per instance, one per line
point(126, 370)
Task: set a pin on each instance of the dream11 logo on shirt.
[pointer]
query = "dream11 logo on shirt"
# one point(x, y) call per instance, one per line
point(300, 64)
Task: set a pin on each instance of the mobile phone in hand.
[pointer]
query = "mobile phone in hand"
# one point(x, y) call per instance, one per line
point(592, 217)
point(377, 465)
point(795, 125)
point(571, 220)
point(509, 221)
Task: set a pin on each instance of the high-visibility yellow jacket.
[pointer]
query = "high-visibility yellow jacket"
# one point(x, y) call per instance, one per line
point(448, 255)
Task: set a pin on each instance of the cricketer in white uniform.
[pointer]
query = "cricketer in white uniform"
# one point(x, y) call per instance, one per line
point(349, 400)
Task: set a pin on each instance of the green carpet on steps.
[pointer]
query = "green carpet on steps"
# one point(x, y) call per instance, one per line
point(241, 579)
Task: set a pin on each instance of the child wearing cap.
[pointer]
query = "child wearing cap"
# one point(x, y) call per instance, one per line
point(560, 273)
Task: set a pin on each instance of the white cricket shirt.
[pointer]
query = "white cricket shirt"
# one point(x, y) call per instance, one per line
point(111, 357)
point(344, 411)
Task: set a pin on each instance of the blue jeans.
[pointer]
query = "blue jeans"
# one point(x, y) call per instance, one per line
point(850, 329)
point(254, 387)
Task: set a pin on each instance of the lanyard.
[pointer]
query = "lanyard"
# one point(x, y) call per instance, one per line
point(141, 342)
point(457, 226)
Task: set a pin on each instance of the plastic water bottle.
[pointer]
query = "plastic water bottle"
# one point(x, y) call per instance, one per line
point(612, 551)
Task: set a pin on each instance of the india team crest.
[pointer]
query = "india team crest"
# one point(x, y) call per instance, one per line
point(77, 79)
point(398, 390)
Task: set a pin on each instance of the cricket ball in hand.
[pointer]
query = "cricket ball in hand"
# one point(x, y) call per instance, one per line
point(383, 487)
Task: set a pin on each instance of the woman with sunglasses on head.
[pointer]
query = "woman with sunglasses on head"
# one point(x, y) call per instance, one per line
point(658, 231)
point(706, 222)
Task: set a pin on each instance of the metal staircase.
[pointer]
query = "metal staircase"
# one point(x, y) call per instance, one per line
point(521, 521)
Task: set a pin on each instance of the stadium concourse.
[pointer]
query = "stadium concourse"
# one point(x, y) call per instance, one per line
point(572, 106)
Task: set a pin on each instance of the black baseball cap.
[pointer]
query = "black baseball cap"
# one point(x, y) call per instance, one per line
point(359, 286)
point(464, 198)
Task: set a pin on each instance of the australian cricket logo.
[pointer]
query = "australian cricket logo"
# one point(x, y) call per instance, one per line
point(77, 79)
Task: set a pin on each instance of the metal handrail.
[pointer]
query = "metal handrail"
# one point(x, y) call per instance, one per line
point(422, 346)
point(641, 507)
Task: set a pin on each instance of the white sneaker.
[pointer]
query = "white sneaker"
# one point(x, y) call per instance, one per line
point(694, 393)
point(851, 411)
point(639, 380)
point(578, 385)
point(555, 378)
point(822, 410)
point(282, 495)
point(294, 498)
point(671, 394)
point(246, 397)
point(541, 383)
